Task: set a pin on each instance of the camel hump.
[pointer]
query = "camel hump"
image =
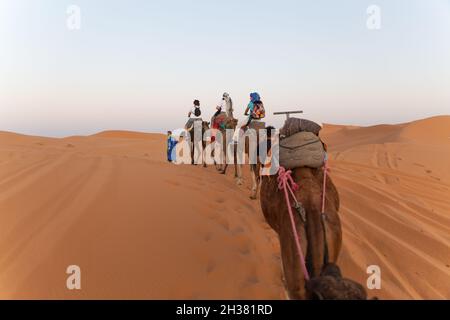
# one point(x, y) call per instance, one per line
point(303, 149)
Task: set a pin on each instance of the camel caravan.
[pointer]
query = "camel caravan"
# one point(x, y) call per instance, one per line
point(289, 171)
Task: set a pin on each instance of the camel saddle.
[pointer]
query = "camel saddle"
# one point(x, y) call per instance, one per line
point(190, 123)
point(302, 149)
point(257, 125)
point(218, 122)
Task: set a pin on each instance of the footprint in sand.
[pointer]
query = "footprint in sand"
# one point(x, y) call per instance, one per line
point(237, 230)
point(237, 209)
point(220, 220)
point(247, 224)
point(225, 224)
point(172, 183)
point(245, 249)
point(207, 237)
point(211, 265)
point(252, 279)
point(247, 205)
point(220, 200)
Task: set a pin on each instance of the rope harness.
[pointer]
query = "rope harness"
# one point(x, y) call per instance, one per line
point(288, 185)
point(323, 216)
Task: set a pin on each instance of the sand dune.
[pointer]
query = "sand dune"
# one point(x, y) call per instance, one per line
point(141, 228)
point(137, 226)
point(394, 183)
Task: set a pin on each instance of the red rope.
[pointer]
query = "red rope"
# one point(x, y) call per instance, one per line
point(324, 192)
point(287, 184)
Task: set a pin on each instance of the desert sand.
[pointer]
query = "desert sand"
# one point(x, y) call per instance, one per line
point(141, 228)
point(394, 184)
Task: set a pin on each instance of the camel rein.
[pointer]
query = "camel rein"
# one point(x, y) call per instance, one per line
point(323, 216)
point(288, 185)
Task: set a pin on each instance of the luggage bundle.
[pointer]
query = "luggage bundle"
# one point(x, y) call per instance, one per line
point(300, 145)
point(295, 125)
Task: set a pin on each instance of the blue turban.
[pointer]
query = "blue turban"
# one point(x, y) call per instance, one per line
point(255, 97)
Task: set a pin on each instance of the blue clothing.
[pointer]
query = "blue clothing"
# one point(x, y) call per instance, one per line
point(250, 107)
point(171, 144)
point(255, 97)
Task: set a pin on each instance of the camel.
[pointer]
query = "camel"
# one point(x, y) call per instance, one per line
point(254, 168)
point(228, 123)
point(311, 232)
point(205, 127)
point(231, 123)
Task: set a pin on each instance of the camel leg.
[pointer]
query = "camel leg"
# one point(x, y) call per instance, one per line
point(204, 157)
point(238, 174)
point(255, 181)
point(218, 166)
point(334, 237)
point(295, 283)
point(237, 170)
point(224, 170)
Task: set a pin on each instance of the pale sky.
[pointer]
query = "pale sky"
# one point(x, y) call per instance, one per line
point(139, 64)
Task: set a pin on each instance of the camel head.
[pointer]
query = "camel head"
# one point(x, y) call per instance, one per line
point(330, 285)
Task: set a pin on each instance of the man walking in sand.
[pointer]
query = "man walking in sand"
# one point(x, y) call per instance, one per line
point(171, 144)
